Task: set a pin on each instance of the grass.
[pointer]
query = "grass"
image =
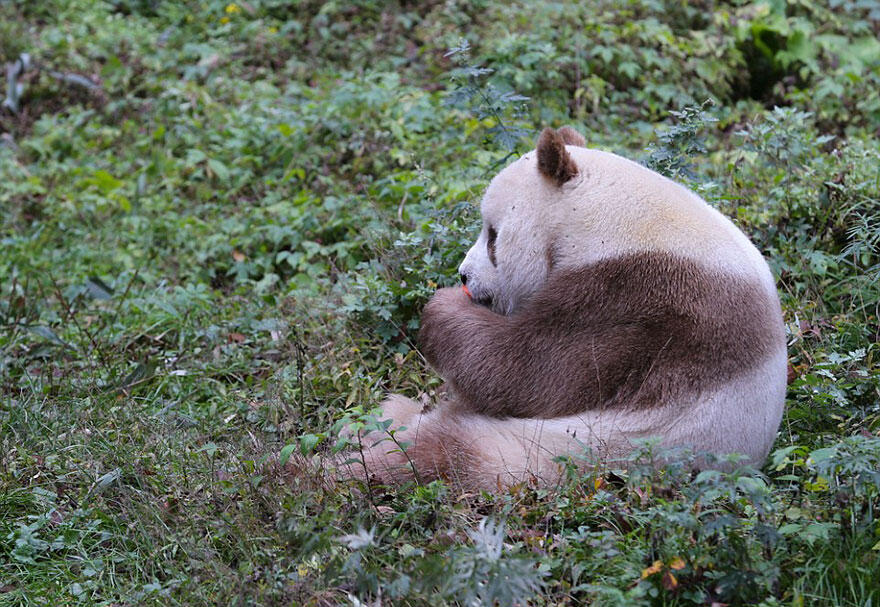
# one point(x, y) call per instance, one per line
point(221, 246)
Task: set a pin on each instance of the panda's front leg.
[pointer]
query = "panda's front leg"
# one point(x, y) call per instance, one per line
point(448, 326)
point(490, 363)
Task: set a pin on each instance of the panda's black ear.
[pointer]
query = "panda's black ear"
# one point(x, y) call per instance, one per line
point(554, 161)
point(572, 137)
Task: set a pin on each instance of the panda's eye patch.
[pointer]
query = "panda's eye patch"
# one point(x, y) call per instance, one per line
point(490, 244)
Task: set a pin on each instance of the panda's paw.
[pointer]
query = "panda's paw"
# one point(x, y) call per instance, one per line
point(446, 310)
point(450, 300)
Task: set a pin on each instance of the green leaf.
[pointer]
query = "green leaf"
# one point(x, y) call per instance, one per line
point(98, 289)
point(195, 156)
point(140, 372)
point(104, 481)
point(49, 334)
point(308, 442)
point(822, 455)
point(219, 169)
point(104, 181)
point(286, 452)
point(787, 477)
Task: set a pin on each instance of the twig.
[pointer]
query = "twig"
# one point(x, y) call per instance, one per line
point(17, 68)
point(14, 88)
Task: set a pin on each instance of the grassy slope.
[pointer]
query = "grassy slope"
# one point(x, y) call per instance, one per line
point(226, 248)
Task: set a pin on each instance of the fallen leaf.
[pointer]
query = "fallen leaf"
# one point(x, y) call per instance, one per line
point(655, 568)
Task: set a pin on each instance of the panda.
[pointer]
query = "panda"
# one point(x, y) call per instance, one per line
point(604, 303)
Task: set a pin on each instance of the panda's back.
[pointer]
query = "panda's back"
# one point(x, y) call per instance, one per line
point(631, 209)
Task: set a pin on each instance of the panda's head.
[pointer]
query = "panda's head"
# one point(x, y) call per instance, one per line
point(514, 253)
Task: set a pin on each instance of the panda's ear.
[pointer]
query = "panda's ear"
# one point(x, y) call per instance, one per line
point(554, 161)
point(572, 137)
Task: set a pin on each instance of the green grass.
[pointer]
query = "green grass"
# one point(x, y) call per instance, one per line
point(222, 249)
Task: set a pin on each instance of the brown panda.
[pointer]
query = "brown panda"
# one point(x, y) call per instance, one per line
point(607, 303)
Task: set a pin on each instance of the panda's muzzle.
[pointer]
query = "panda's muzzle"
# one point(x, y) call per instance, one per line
point(483, 299)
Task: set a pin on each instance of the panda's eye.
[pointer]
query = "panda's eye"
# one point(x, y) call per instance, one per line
point(492, 235)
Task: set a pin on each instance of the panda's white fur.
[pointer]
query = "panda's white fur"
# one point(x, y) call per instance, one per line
point(596, 208)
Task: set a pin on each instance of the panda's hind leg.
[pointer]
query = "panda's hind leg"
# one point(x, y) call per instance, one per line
point(400, 409)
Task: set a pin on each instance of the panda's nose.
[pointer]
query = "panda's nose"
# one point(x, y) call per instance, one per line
point(463, 278)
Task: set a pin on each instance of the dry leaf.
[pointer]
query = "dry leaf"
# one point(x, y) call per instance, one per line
point(669, 581)
point(655, 568)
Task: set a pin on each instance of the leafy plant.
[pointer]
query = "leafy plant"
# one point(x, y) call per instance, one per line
point(500, 110)
point(677, 145)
